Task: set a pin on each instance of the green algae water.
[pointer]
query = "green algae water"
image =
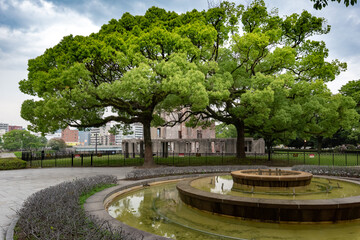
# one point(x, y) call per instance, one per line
point(159, 210)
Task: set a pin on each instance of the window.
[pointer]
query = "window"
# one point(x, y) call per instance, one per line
point(180, 135)
point(159, 132)
point(199, 134)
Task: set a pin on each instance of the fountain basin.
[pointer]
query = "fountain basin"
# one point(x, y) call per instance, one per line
point(271, 178)
point(271, 210)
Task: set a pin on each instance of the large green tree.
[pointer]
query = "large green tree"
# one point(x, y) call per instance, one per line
point(127, 72)
point(22, 140)
point(271, 46)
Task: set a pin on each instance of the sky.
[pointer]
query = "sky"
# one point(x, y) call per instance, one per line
point(29, 27)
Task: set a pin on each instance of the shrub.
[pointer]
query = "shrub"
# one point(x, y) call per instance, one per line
point(329, 170)
point(166, 171)
point(11, 163)
point(55, 213)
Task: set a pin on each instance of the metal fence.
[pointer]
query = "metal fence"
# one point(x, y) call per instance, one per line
point(116, 159)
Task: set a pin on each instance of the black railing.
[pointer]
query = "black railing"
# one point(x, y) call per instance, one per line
point(171, 158)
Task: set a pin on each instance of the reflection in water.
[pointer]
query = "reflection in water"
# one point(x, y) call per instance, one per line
point(159, 210)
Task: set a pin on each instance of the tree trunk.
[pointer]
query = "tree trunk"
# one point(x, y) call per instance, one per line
point(148, 156)
point(319, 143)
point(268, 144)
point(240, 140)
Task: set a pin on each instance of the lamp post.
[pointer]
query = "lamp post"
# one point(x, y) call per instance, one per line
point(96, 143)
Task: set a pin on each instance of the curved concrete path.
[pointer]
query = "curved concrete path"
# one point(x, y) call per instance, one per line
point(17, 185)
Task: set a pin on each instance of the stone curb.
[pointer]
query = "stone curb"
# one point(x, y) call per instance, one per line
point(10, 229)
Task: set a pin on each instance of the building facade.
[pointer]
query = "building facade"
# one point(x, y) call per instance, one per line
point(70, 137)
point(4, 126)
point(15, 128)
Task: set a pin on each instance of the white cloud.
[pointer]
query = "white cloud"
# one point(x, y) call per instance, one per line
point(44, 26)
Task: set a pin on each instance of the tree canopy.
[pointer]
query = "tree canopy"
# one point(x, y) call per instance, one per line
point(22, 140)
point(319, 4)
point(242, 66)
point(269, 59)
point(125, 71)
point(56, 144)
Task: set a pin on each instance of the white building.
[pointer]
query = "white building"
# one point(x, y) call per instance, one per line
point(4, 126)
point(137, 133)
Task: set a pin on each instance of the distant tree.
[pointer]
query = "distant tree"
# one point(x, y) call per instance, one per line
point(325, 114)
point(22, 139)
point(56, 144)
point(225, 131)
point(352, 89)
point(319, 4)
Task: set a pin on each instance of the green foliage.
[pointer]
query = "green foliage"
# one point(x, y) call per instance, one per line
point(56, 144)
point(225, 131)
point(99, 188)
point(319, 4)
point(131, 69)
point(273, 67)
point(352, 89)
point(11, 163)
point(22, 139)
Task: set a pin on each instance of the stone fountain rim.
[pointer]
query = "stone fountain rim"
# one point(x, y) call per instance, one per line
point(283, 203)
point(294, 176)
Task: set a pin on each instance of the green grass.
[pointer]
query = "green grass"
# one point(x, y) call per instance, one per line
point(11, 163)
point(99, 188)
point(18, 154)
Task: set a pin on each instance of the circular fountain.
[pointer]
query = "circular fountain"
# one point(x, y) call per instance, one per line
point(199, 208)
point(271, 178)
point(286, 184)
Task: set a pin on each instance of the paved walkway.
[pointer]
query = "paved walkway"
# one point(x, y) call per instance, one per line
point(17, 185)
point(7, 155)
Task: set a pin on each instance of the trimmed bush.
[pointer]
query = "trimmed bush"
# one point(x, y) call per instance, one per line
point(55, 213)
point(11, 163)
point(167, 171)
point(353, 172)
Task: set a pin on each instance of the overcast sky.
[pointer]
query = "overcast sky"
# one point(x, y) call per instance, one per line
point(28, 28)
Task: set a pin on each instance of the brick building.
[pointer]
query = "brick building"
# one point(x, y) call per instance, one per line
point(70, 137)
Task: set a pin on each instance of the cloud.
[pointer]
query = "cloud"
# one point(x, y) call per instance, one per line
point(27, 29)
point(43, 26)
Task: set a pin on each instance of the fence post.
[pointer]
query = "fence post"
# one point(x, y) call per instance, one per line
point(55, 159)
point(82, 159)
point(206, 157)
point(288, 157)
point(222, 157)
point(91, 159)
point(72, 160)
point(345, 158)
point(189, 158)
point(304, 157)
point(333, 158)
